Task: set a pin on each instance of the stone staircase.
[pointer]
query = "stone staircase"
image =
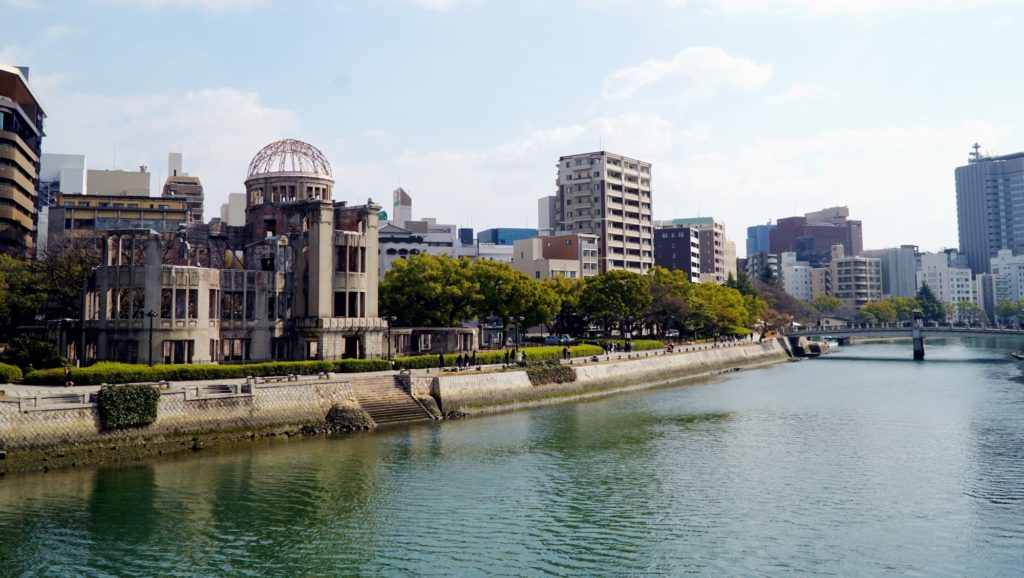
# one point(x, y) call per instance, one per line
point(386, 400)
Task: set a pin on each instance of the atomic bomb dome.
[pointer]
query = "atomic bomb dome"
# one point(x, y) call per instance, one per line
point(289, 156)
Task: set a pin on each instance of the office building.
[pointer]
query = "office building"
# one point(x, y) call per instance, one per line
point(949, 282)
point(83, 217)
point(813, 235)
point(990, 207)
point(678, 248)
point(233, 211)
point(759, 238)
point(571, 256)
point(796, 276)
point(758, 262)
point(609, 196)
point(899, 270)
point(115, 182)
point(60, 173)
point(21, 139)
point(401, 207)
point(504, 235)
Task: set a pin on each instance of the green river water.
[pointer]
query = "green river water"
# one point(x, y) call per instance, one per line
point(861, 463)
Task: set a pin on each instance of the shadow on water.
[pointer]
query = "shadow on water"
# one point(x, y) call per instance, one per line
point(699, 418)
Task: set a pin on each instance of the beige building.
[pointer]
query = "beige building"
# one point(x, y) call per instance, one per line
point(855, 280)
point(608, 196)
point(821, 281)
point(570, 256)
point(90, 216)
point(21, 137)
point(306, 287)
point(118, 183)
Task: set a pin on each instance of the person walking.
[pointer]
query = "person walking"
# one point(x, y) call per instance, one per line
point(565, 352)
point(506, 357)
point(473, 362)
point(458, 362)
point(67, 376)
point(440, 361)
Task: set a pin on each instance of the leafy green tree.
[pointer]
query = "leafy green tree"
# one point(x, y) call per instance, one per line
point(612, 297)
point(969, 312)
point(1009, 310)
point(827, 304)
point(507, 293)
point(29, 350)
point(22, 295)
point(669, 297)
point(904, 307)
point(879, 312)
point(931, 308)
point(430, 291)
point(568, 318)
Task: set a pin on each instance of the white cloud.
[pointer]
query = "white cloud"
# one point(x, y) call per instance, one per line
point(802, 93)
point(696, 72)
point(56, 31)
point(25, 4)
point(898, 180)
point(205, 5)
point(217, 130)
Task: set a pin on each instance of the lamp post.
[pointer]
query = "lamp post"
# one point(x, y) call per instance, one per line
point(151, 314)
point(390, 319)
point(519, 331)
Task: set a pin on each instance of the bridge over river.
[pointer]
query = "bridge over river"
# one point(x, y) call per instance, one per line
point(917, 332)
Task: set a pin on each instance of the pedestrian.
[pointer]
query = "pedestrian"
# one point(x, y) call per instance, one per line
point(565, 352)
point(522, 358)
point(440, 361)
point(506, 357)
point(473, 362)
point(67, 376)
point(458, 361)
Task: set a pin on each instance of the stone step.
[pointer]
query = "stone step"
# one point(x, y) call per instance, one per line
point(386, 401)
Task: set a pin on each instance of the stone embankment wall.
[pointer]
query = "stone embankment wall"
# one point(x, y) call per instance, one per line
point(469, 393)
point(73, 419)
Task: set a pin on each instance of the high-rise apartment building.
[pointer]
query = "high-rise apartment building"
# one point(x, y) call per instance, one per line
point(21, 139)
point(714, 249)
point(678, 248)
point(948, 282)
point(570, 256)
point(855, 280)
point(609, 196)
point(990, 207)
point(547, 215)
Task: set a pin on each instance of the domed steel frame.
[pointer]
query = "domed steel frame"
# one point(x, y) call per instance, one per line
point(289, 156)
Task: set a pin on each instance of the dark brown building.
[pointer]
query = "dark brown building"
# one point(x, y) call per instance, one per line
point(812, 236)
point(21, 138)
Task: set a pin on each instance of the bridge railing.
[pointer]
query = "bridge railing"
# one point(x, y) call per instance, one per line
point(903, 327)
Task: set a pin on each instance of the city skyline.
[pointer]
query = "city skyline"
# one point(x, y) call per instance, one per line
point(748, 111)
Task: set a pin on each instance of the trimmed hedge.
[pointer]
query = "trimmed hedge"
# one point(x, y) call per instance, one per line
point(545, 372)
point(127, 406)
point(9, 373)
point(638, 344)
point(552, 352)
point(111, 372)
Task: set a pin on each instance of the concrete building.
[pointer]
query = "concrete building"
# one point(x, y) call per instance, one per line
point(812, 236)
point(492, 252)
point(990, 206)
point(899, 270)
point(821, 281)
point(759, 239)
point(571, 256)
point(990, 290)
point(304, 288)
point(609, 196)
point(713, 245)
point(60, 173)
point(233, 211)
point(855, 280)
point(401, 207)
point(678, 248)
point(181, 184)
point(21, 139)
point(114, 182)
point(1008, 271)
point(757, 262)
point(504, 235)
point(730, 259)
point(949, 283)
point(80, 217)
point(547, 215)
point(797, 277)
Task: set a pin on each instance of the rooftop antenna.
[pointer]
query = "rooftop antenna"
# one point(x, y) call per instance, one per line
point(975, 156)
point(115, 157)
point(600, 142)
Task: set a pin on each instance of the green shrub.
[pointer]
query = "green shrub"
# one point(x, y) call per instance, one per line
point(9, 373)
point(30, 351)
point(127, 406)
point(361, 365)
point(638, 344)
point(545, 372)
point(113, 373)
point(546, 353)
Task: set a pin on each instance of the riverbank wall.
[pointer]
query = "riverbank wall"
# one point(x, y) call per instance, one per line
point(470, 394)
point(59, 430)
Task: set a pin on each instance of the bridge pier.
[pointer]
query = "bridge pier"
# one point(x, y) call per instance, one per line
point(918, 343)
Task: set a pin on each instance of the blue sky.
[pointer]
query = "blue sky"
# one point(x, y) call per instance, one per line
point(750, 110)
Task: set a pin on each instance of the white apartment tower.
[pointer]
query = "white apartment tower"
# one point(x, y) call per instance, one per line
point(608, 196)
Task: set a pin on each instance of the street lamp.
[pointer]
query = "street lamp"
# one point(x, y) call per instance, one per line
point(151, 314)
point(390, 319)
point(519, 331)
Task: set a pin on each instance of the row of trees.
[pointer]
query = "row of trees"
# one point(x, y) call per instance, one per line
point(896, 309)
point(428, 290)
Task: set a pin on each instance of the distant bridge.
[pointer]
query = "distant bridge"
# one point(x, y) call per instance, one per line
point(896, 330)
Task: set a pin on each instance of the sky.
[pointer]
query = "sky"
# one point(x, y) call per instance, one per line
point(749, 110)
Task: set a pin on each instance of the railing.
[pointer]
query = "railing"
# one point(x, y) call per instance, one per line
point(57, 401)
point(903, 327)
point(217, 391)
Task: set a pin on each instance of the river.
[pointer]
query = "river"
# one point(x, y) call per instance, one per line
point(861, 463)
